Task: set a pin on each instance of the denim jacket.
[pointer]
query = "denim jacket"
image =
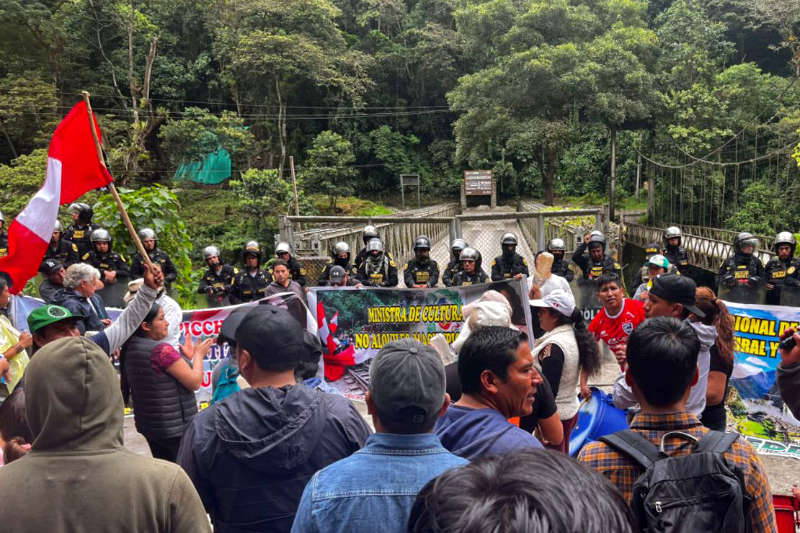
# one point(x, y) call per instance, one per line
point(374, 488)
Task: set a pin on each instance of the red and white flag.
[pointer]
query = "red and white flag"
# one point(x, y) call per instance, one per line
point(73, 168)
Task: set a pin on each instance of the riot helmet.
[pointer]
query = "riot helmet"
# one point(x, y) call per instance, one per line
point(369, 233)
point(100, 235)
point(283, 248)
point(58, 227)
point(557, 247)
point(456, 247)
point(672, 232)
point(785, 238)
point(471, 254)
point(743, 239)
point(339, 249)
point(508, 243)
point(2, 219)
point(597, 241)
point(147, 234)
point(209, 252)
point(252, 248)
point(422, 249)
point(84, 212)
point(375, 247)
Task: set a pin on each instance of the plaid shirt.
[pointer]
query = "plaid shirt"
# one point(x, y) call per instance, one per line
point(623, 472)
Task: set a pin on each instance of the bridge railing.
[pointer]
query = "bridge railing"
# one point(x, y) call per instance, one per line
point(765, 242)
point(704, 252)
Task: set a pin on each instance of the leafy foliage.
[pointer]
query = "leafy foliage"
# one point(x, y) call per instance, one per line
point(328, 169)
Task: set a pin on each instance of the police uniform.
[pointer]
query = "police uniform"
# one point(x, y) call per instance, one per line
point(60, 252)
point(740, 270)
point(594, 269)
point(450, 271)
point(562, 268)
point(416, 273)
point(247, 288)
point(503, 268)
point(157, 257)
point(384, 276)
point(462, 278)
point(296, 271)
point(362, 255)
point(3, 243)
point(109, 261)
point(325, 277)
point(678, 258)
point(78, 236)
point(780, 273)
point(221, 283)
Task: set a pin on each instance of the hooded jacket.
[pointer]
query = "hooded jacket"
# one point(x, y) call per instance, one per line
point(251, 455)
point(789, 385)
point(78, 476)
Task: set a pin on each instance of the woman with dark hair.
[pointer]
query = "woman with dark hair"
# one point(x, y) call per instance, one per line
point(721, 352)
point(564, 351)
point(162, 383)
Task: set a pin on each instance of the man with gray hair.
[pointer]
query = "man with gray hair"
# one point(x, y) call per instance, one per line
point(80, 283)
point(375, 487)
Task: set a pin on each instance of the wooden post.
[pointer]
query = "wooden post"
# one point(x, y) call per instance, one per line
point(294, 186)
point(112, 188)
point(613, 180)
point(402, 192)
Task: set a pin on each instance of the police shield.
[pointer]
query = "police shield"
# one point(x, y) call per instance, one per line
point(585, 291)
point(112, 293)
point(743, 293)
point(790, 296)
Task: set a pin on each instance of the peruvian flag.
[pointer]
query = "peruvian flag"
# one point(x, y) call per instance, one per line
point(335, 357)
point(73, 168)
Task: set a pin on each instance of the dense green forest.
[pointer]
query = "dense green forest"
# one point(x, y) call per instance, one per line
point(699, 97)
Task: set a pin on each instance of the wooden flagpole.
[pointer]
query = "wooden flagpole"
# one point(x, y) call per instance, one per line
point(112, 188)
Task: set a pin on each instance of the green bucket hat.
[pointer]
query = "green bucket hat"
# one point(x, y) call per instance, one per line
point(49, 314)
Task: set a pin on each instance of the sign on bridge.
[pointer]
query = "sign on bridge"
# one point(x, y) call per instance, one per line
point(478, 183)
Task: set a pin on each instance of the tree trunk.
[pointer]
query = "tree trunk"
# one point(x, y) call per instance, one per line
point(548, 178)
point(613, 180)
point(281, 128)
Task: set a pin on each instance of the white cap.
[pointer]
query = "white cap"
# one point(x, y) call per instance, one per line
point(559, 299)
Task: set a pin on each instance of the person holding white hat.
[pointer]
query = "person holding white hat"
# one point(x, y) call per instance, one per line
point(562, 352)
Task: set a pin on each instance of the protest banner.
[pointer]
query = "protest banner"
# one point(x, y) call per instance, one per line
point(354, 324)
point(757, 410)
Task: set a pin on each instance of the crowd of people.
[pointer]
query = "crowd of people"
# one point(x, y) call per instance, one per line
point(477, 444)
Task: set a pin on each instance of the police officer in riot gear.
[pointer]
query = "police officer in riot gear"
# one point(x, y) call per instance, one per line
point(448, 276)
point(597, 261)
point(378, 269)
point(340, 256)
point(112, 266)
point(421, 271)
point(560, 267)
point(251, 282)
point(674, 252)
point(59, 248)
point(369, 233)
point(643, 274)
point(471, 271)
point(157, 256)
point(781, 270)
point(217, 281)
point(742, 273)
point(509, 264)
point(296, 271)
point(79, 232)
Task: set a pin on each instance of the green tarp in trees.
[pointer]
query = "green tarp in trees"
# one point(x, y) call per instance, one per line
point(215, 168)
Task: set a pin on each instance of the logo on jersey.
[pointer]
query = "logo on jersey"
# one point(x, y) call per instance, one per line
point(627, 327)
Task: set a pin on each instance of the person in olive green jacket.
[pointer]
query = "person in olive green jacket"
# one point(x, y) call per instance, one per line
point(78, 476)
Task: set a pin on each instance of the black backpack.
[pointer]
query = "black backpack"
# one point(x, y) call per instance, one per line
point(698, 492)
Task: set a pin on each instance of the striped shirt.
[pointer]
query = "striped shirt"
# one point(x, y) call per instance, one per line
point(623, 471)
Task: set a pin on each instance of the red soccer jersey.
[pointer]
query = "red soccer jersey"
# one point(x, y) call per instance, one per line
point(614, 330)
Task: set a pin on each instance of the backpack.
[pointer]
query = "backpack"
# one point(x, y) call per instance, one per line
point(698, 492)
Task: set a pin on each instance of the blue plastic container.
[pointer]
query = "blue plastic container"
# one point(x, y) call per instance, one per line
point(596, 417)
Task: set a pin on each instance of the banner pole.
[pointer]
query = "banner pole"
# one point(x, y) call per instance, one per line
point(111, 187)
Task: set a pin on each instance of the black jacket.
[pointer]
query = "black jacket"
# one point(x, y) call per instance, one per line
point(79, 239)
point(421, 274)
point(162, 406)
point(247, 288)
point(219, 285)
point(251, 455)
point(79, 305)
point(741, 270)
point(780, 273)
point(504, 268)
point(296, 270)
point(678, 258)
point(594, 269)
point(462, 278)
point(109, 261)
point(52, 293)
point(561, 268)
point(159, 257)
point(60, 252)
point(450, 271)
point(383, 276)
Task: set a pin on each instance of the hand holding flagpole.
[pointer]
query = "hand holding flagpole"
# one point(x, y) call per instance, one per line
point(113, 189)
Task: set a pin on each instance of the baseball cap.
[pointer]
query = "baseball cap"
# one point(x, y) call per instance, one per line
point(677, 289)
point(659, 261)
point(407, 382)
point(49, 314)
point(271, 335)
point(337, 274)
point(50, 266)
point(559, 299)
